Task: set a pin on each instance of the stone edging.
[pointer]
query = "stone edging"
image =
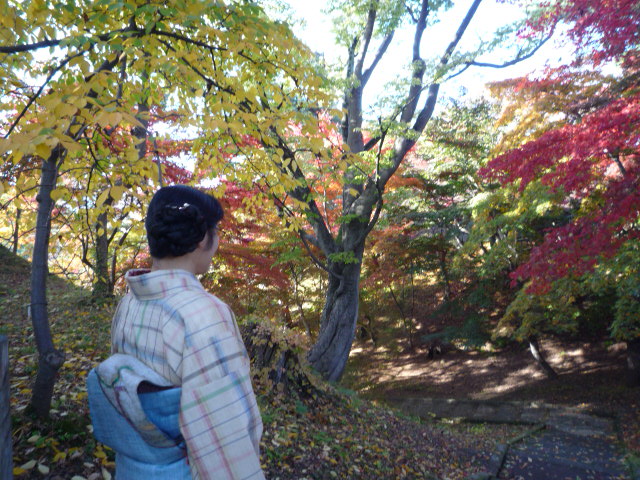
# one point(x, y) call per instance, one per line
point(532, 413)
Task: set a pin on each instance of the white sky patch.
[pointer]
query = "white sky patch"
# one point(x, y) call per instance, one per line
point(317, 34)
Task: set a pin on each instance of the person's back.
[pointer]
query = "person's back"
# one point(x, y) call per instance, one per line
point(190, 338)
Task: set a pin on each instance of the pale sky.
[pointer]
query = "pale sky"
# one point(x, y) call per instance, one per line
point(490, 15)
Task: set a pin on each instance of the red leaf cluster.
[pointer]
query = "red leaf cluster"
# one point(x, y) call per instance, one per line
point(599, 159)
point(610, 27)
point(575, 156)
point(576, 248)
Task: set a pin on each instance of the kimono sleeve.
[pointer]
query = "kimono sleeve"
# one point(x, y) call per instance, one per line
point(219, 416)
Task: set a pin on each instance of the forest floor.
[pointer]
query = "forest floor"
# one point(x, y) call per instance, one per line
point(592, 379)
point(334, 434)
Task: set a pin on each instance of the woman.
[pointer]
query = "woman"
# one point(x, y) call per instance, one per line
point(180, 372)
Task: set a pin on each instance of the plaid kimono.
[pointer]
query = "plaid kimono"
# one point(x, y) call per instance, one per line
point(190, 337)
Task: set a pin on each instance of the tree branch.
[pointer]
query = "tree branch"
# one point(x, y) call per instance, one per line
point(520, 57)
point(28, 47)
point(381, 51)
point(418, 64)
point(303, 194)
point(345, 102)
point(368, 33)
point(210, 83)
point(403, 145)
point(33, 98)
point(315, 259)
point(11, 49)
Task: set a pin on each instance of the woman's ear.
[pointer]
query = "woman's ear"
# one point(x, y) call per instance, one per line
point(205, 242)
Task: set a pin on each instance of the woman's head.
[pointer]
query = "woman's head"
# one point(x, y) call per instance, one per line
point(179, 218)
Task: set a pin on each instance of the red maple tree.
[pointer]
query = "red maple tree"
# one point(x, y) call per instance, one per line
point(594, 161)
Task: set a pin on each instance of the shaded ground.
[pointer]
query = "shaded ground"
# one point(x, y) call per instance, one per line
point(592, 380)
point(590, 373)
point(556, 455)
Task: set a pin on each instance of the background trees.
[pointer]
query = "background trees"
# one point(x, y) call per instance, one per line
point(370, 153)
point(104, 102)
point(575, 184)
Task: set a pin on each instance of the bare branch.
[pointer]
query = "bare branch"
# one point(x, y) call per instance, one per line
point(11, 49)
point(520, 57)
point(114, 258)
point(316, 260)
point(28, 47)
point(182, 38)
point(461, 29)
point(381, 51)
point(345, 101)
point(418, 65)
point(371, 143)
point(410, 12)
point(403, 145)
point(368, 33)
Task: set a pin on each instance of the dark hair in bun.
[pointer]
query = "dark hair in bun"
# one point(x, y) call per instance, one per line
point(179, 217)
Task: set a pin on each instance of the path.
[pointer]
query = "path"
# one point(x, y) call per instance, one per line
point(563, 443)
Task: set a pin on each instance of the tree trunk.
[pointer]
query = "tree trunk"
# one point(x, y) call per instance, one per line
point(446, 301)
point(445, 276)
point(49, 359)
point(16, 231)
point(6, 448)
point(633, 362)
point(537, 354)
point(102, 288)
point(330, 353)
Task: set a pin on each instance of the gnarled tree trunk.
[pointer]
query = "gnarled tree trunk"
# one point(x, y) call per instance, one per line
point(330, 353)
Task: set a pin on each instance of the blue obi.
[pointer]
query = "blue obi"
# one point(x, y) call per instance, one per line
point(136, 459)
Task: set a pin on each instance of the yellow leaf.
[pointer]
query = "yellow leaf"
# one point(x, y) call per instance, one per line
point(102, 198)
point(59, 456)
point(18, 471)
point(117, 192)
point(43, 150)
point(57, 194)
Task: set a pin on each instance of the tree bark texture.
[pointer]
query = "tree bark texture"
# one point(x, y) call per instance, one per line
point(49, 359)
point(330, 353)
point(102, 288)
point(6, 447)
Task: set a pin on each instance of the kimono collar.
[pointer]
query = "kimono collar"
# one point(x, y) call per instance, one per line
point(152, 285)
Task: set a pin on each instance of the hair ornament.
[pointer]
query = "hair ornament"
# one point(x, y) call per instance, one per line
point(176, 207)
